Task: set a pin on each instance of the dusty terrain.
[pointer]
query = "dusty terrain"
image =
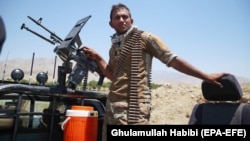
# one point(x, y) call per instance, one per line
point(173, 103)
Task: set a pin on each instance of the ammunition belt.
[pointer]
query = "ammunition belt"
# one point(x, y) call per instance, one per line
point(136, 57)
point(133, 45)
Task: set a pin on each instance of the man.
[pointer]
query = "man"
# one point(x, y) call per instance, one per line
point(129, 69)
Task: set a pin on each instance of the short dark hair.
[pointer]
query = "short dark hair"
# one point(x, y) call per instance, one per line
point(118, 6)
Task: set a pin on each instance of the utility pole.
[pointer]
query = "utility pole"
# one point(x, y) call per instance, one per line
point(5, 65)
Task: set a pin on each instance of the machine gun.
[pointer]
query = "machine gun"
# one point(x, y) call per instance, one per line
point(69, 49)
point(44, 124)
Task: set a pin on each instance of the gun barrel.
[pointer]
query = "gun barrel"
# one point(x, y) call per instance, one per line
point(24, 27)
point(39, 23)
point(34, 20)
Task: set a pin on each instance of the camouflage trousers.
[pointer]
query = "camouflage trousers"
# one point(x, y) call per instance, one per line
point(116, 114)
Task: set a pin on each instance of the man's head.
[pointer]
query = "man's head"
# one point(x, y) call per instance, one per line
point(120, 18)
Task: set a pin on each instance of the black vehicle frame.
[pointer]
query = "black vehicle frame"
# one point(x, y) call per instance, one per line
point(44, 124)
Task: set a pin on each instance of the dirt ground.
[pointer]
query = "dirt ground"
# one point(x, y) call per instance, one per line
point(173, 102)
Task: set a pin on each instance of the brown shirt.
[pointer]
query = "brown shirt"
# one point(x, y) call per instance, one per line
point(152, 46)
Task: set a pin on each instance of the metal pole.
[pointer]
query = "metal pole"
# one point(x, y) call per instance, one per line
point(31, 68)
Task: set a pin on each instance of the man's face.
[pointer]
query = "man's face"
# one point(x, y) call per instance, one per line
point(121, 20)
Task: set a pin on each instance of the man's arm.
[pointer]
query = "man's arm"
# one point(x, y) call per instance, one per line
point(104, 68)
point(102, 64)
point(183, 66)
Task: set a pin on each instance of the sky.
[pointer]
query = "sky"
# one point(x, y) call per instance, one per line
point(212, 35)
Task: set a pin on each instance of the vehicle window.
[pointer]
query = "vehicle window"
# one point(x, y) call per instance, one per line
point(30, 115)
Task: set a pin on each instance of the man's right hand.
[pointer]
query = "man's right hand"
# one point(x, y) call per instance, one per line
point(90, 53)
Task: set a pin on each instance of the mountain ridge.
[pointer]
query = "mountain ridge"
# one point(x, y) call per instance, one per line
point(47, 65)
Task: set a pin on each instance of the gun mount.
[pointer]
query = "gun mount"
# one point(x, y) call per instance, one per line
point(69, 49)
point(32, 111)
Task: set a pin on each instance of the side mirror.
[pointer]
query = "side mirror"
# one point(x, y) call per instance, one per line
point(2, 34)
